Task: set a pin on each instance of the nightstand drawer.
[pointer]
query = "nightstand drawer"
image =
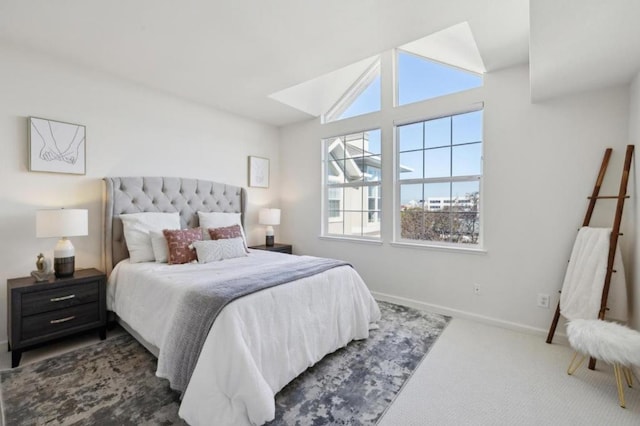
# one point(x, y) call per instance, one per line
point(284, 249)
point(277, 247)
point(62, 319)
point(49, 300)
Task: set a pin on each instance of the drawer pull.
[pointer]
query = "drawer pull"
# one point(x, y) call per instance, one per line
point(58, 321)
point(60, 299)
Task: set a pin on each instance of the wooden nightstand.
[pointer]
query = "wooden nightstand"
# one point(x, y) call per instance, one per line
point(280, 248)
point(42, 311)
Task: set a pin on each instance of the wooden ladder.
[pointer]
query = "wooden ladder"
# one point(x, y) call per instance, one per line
point(615, 232)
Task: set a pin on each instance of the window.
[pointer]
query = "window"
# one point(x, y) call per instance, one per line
point(438, 179)
point(420, 79)
point(352, 178)
point(374, 200)
point(362, 97)
point(335, 203)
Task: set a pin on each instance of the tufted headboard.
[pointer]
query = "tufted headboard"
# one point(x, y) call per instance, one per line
point(166, 195)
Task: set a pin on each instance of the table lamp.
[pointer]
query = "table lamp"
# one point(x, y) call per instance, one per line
point(269, 217)
point(62, 223)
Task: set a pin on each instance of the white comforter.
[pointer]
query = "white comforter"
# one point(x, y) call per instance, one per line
point(258, 343)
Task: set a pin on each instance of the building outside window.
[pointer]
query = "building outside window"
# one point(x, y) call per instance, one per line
point(352, 179)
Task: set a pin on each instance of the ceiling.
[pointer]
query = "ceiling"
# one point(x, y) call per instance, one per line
point(233, 54)
point(577, 45)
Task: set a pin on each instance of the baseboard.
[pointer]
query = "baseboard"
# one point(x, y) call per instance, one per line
point(456, 313)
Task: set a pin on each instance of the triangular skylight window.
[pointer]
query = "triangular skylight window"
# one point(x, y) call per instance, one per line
point(361, 98)
point(420, 78)
point(426, 68)
point(439, 64)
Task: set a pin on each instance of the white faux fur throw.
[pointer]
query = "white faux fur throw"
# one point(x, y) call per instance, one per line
point(604, 340)
point(584, 280)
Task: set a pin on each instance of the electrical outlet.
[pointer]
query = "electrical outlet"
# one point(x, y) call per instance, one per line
point(543, 300)
point(476, 289)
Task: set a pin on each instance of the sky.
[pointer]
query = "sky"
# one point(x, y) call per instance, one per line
point(427, 148)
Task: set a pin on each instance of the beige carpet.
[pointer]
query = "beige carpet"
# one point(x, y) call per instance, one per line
point(481, 375)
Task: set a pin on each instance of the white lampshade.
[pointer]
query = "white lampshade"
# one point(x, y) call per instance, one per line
point(269, 216)
point(62, 223)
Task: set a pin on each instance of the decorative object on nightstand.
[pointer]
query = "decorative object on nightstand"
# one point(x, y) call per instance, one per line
point(269, 217)
point(42, 272)
point(39, 312)
point(62, 223)
point(280, 248)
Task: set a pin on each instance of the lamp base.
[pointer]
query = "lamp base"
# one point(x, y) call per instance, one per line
point(64, 266)
point(270, 241)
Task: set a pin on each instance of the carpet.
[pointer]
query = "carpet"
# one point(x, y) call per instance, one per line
point(113, 382)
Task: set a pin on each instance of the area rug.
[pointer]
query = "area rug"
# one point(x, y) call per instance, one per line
point(113, 382)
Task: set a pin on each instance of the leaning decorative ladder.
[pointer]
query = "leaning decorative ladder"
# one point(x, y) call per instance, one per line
point(615, 232)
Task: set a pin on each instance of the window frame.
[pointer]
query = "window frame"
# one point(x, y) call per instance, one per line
point(363, 184)
point(397, 239)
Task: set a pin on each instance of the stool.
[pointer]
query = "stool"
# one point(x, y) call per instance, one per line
point(607, 341)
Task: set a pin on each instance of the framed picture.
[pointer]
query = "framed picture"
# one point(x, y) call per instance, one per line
point(57, 147)
point(258, 172)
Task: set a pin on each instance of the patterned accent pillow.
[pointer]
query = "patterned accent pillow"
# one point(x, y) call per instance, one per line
point(214, 250)
point(219, 220)
point(226, 232)
point(178, 242)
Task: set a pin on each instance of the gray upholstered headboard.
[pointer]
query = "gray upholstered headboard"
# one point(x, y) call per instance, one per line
point(162, 194)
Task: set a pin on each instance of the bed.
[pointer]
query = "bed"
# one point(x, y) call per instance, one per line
point(259, 342)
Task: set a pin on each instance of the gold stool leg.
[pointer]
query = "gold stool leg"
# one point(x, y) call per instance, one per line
point(628, 376)
point(618, 373)
point(573, 366)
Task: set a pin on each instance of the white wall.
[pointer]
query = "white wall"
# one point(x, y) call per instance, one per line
point(540, 164)
point(634, 210)
point(131, 130)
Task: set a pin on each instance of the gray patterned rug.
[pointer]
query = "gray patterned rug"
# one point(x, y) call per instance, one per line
point(113, 382)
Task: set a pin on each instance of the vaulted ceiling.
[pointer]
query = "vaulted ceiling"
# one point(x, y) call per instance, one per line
point(233, 54)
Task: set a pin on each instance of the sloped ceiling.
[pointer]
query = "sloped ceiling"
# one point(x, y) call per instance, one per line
point(454, 46)
point(317, 96)
point(579, 45)
point(233, 54)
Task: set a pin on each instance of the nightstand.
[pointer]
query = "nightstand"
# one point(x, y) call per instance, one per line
point(280, 248)
point(39, 312)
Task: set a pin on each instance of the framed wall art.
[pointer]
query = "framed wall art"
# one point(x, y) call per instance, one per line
point(57, 147)
point(258, 172)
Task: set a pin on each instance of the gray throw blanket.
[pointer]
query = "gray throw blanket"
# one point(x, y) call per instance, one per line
point(195, 317)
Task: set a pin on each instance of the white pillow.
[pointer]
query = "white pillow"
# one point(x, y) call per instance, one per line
point(137, 227)
point(214, 250)
point(159, 246)
point(219, 220)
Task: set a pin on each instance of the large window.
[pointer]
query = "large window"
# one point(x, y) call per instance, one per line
point(438, 180)
point(352, 176)
point(435, 178)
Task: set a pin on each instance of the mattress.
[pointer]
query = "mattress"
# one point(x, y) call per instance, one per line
point(258, 343)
